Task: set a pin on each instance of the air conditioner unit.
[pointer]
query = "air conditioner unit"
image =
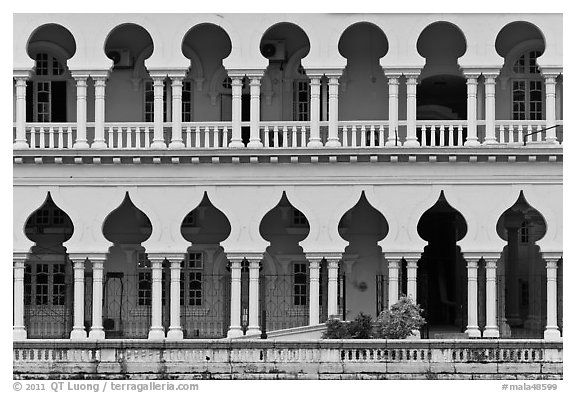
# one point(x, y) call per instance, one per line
point(274, 50)
point(121, 58)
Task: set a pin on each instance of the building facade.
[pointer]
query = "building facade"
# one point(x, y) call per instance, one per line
point(190, 176)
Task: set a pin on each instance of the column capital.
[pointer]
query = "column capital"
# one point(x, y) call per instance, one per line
point(177, 74)
point(240, 256)
point(547, 255)
point(490, 75)
point(99, 74)
point(550, 71)
point(80, 75)
point(170, 256)
point(22, 74)
point(20, 256)
point(408, 72)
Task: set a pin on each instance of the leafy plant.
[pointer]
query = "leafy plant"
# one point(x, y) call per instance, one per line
point(361, 326)
point(400, 320)
point(336, 329)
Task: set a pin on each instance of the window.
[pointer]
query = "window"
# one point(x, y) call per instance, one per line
point(144, 280)
point(524, 233)
point(527, 97)
point(45, 284)
point(46, 92)
point(301, 100)
point(49, 216)
point(190, 220)
point(187, 101)
point(187, 93)
point(191, 280)
point(298, 218)
point(300, 282)
point(149, 101)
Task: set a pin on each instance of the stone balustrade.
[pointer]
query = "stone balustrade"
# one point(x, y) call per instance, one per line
point(316, 359)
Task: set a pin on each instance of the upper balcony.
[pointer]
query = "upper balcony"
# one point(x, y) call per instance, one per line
point(434, 101)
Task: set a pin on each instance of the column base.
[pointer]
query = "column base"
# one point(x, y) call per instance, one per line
point(235, 144)
point(20, 145)
point(158, 145)
point(473, 332)
point(254, 331)
point(411, 143)
point(234, 331)
point(491, 332)
point(491, 141)
point(156, 333)
point(552, 140)
point(97, 334)
point(176, 145)
point(514, 320)
point(19, 333)
point(81, 145)
point(175, 333)
point(392, 143)
point(255, 143)
point(472, 143)
point(552, 333)
point(78, 334)
point(333, 143)
point(314, 143)
point(99, 145)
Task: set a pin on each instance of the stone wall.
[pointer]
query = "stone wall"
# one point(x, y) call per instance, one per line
point(266, 359)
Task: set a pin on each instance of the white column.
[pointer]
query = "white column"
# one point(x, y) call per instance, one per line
point(176, 142)
point(471, 113)
point(393, 281)
point(472, 329)
point(314, 269)
point(158, 140)
point(253, 296)
point(99, 112)
point(551, 332)
point(19, 329)
point(78, 331)
point(411, 277)
point(81, 142)
point(235, 329)
point(175, 330)
point(333, 286)
point(156, 329)
point(20, 142)
point(315, 140)
point(490, 93)
point(550, 80)
point(491, 329)
point(411, 139)
point(236, 140)
point(393, 110)
point(255, 112)
point(333, 140)
point(97, 330)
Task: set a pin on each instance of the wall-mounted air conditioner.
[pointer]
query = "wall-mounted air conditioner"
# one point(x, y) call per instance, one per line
point(274, 50)
point(121, 58)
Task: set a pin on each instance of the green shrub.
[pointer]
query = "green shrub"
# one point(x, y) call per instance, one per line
point(336, 329)
point(361, 327)
point(400, 320)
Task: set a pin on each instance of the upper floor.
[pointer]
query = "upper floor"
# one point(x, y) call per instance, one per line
point(151, 81)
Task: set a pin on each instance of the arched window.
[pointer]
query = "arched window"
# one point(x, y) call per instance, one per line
point(527, 94)
point(301, 96)
point(46, 92)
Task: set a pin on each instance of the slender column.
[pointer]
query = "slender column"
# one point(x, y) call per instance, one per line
point(81, 142)
point(393, 110)
point(511, 271)
point(393, 281)
point(255, 112)
point(236, 140)
point(97, 330)
point(491, 329)
point(315, 140)
point(99, 112)
point(20, 142)
point(314, 268)
point(253, 297)
point(175, 330)
point(550, 80)
point(411, 82)
point(158, 141)
point(156, 329)
point(472, 115)
point(411, 277)
point(551, 332)
point(19, 329)
point(176, 142)
point(78, 330)
point(333, 287)
point(333, 140)
point(490, 98)
point(472, 329)
point(235, 329)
